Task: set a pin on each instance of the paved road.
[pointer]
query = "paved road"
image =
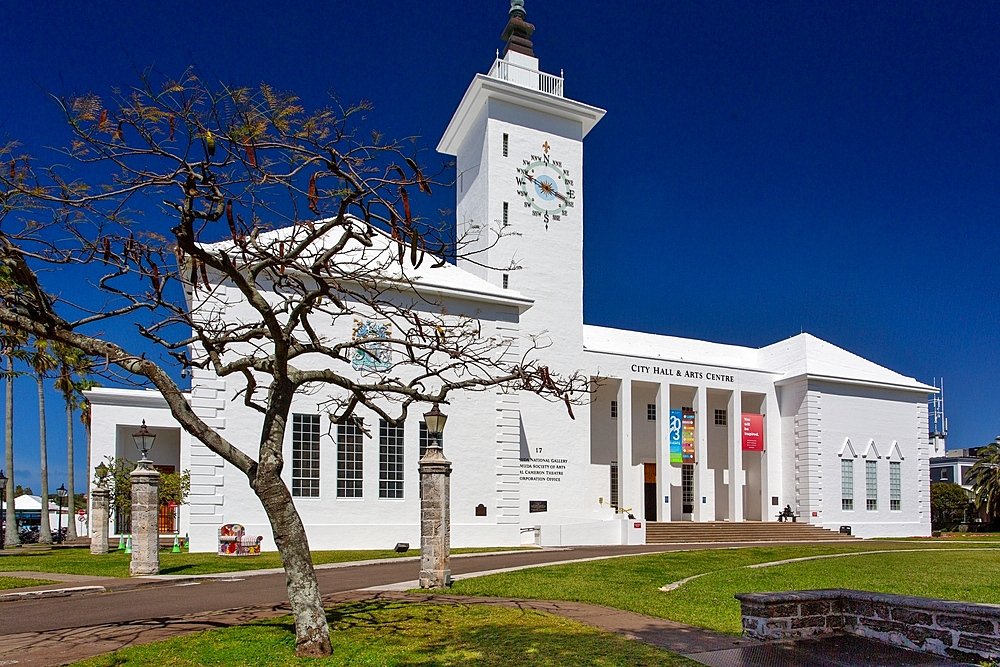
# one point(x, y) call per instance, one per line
point(173, 600)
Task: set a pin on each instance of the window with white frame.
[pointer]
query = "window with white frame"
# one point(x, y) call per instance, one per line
point(350, 477)
point(506, 210)
point(651, 412)
point(871, 485)
point(895, 486)
point(425, 438)
point(847, 484)
point(305, 456)
point(614, 409)
point(506, 142)
point(614, 484)
point(390, 460)
point(721, 417)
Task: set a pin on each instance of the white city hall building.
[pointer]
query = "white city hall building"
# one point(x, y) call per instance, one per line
point(675, 430)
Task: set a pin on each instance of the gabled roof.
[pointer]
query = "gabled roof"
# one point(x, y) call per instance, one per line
point(380, 259)
point(807, 356)
point(802, 356)
point(655, 346)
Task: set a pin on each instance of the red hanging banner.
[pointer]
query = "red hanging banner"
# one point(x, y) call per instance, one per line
point(753, 433)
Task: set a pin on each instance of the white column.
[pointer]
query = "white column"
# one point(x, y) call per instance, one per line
point(771, 468)
point(663, 452)
point(626, 492)
point(736, 455)
point(704, 487)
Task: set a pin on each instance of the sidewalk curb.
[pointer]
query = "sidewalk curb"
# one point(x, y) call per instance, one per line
point(51, 593)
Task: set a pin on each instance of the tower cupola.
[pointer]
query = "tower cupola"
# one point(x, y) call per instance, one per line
point(518, 32)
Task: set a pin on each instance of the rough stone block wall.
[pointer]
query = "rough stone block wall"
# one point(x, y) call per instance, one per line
point(960, 630)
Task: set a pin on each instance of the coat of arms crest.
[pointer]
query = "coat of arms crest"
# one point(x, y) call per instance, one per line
point(375, 355)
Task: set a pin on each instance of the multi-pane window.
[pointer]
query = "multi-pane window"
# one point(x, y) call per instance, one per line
point(505, 142)
point(721, 418)
point(614, 409)
point(349, 460)
point(847, 484)
point(871, 484)
point(687, 488)
point(390, 460)
point(506, 281)
point(614, 484)
point(651, 412)
point(895, 483)
point(505, 213)
point(305, 456)
point(425, 438)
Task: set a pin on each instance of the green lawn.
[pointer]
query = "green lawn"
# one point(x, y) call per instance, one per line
point(387, 634)
point(633, 583)
point(6, 583)
point(115, 564)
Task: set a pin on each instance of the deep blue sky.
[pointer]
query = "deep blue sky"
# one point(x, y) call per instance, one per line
point(765, 168)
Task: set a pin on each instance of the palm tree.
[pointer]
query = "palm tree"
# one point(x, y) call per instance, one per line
point(985, 479)
point(71, 363)
point(42, 363)
point(12, 348)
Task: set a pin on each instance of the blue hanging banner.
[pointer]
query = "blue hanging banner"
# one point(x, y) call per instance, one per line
point(676, 451)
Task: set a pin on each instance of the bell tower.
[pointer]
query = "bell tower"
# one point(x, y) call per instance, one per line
point(518, 144)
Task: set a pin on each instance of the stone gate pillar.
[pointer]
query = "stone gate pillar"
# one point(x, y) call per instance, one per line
point(435, 519)
point(145, 522)
point(100, 502)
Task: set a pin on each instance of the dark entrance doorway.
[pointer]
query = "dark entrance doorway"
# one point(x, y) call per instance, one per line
point(649, 488)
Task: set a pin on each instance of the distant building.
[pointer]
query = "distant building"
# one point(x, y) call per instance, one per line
point(953, 468)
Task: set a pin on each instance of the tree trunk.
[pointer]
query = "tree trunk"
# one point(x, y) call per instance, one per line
point(11, 538)
point(70, 516)
point(44, 530)
point(312, 634)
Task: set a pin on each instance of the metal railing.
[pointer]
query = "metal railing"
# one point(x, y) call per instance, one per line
point(529, 78)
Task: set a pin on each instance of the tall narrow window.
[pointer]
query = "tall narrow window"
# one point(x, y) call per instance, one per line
point(614, 484)
point(505, 138)
point(305, 456)
point(871, 484)
point(614, 409)
point(506, 209)
point(425, 439)
point(687, 488)
point(390, 460)
point(506, 281)
point(847, 484)
point(651, 412)
point(349, 460)
point(895, 484)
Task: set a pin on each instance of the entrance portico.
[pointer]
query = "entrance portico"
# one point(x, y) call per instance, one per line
point(669, 436)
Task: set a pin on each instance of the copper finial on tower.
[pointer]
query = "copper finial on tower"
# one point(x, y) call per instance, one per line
point(518, 32)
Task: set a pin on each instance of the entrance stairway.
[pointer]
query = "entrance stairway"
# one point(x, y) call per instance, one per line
point(674, 532)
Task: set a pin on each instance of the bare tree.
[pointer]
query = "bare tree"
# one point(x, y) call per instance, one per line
point(229, 199)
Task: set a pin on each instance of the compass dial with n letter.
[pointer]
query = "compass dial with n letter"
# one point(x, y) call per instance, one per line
point(546, 186)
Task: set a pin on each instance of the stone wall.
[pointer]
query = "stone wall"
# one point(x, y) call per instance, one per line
point(961, 630)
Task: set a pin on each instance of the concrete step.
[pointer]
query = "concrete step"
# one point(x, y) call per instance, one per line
point(723, 531)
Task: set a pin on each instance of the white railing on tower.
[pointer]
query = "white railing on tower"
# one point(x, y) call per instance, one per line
point(529, 78)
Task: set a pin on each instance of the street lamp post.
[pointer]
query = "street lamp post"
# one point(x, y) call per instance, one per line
point(145, 509)
point(61, 493)
point(435, 506)
point(3, 488)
